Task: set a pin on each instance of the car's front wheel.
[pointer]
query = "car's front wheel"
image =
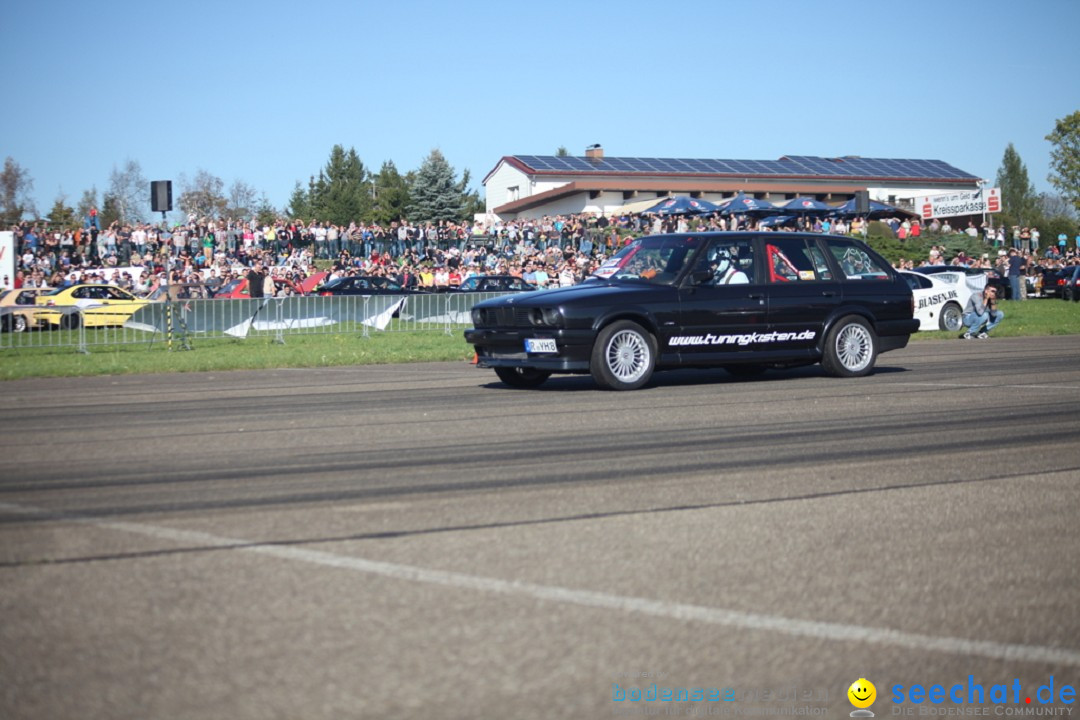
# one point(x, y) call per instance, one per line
point(850, 348)
point(18, 323)
point(951, 317)
point(623, 357)
point(522, 377)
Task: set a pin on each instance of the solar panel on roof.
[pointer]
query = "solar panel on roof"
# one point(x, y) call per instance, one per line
point(788, 165)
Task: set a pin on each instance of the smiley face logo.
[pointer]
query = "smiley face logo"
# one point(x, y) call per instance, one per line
point(862, 693)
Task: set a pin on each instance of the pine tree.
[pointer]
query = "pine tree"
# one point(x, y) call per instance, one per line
point(299, 206)
point(434, 194)
point(1017, 193)
point(473, 203)
point(344, 193)
point(61, 216)
point(391, 195)
point(265, 213)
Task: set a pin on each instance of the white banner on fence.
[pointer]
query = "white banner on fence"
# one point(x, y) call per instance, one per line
point(973, 202)
point(7, 259)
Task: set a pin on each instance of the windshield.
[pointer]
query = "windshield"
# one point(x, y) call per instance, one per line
point(657, 260)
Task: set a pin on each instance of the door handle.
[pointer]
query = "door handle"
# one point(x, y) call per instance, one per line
point(828, 293)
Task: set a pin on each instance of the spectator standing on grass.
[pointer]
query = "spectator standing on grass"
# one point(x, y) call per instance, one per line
point(1016, 267)
point(255, 279)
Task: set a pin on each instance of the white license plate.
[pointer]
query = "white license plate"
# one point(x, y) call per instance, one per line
point(540, 345)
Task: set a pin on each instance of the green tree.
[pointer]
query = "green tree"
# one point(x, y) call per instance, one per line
point(562, 152)
point(1065, 158)
point(265, 214)
point(343, 192)
point(434, 194)
point(299, 207)
point(473, 203)
point(1019, 202)
point(315, 192)
point(15, 188)
point(63, 217)
point(110, 211)
point(391, 195)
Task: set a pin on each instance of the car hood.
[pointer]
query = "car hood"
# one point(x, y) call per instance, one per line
point(604, 290)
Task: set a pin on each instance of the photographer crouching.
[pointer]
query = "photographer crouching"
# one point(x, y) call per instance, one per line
point(981, 310)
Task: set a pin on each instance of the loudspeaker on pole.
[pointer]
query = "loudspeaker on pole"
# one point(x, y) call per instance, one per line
point(161, 195)
point(862, 202)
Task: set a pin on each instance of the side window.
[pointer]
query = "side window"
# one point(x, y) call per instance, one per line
point(81, 293)
point(725, 262)
point(821, 265)
point(856, 262)
point(790, 259)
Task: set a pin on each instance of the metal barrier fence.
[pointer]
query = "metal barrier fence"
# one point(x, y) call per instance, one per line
point(186, 321)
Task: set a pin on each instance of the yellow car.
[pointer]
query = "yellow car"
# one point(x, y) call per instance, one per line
point(94, 305)
point(18, 310)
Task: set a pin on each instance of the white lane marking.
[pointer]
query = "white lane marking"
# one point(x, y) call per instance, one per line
point(586, 598)
point(987, 386)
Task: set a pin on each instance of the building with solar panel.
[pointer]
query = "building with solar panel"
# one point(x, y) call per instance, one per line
point(531, 186)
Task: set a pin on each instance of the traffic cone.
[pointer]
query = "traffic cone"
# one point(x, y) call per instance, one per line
point(475, 358)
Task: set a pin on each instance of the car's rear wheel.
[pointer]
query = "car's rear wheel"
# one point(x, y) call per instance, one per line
point(18, 323)
point(1068, 294)
point(850, 348)
point(623, 357)
point(951, 317)
point(522, 377)
point(70, 321)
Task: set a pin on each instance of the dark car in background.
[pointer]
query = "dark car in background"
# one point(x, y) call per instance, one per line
point(742, 301)
point(493, 283)
point(1063, 283)
point(362, 285)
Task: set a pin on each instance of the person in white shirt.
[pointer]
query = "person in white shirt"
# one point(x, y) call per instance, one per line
point(726, 272)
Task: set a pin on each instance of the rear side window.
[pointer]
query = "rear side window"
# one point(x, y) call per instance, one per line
point(795, 259)
point(856, 262)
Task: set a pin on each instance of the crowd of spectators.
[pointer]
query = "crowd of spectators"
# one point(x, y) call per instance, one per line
point(548, 252)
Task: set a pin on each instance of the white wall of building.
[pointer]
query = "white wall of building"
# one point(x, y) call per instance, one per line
point(497, 187)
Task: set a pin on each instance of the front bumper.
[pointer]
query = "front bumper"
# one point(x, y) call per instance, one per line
point(506, 348)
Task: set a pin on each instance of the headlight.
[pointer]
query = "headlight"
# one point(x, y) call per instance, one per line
point(477, 317)
point(545, 317)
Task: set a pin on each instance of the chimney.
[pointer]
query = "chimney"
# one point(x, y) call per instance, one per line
point(594, 152)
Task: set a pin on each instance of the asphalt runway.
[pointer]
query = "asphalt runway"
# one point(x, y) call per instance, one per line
point(418, 541)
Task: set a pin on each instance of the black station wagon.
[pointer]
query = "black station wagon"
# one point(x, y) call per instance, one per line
point(742, 301)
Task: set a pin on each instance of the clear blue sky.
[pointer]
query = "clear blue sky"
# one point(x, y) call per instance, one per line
point(261, 91)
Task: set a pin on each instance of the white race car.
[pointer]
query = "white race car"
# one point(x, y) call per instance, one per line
point(939, 299)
